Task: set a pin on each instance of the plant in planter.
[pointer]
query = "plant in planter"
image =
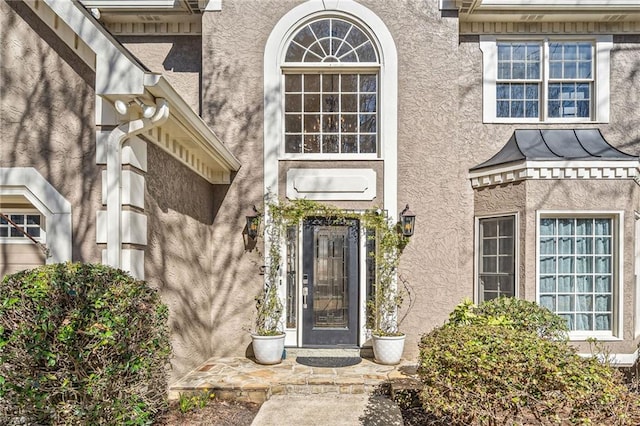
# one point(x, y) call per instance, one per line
point(389, 294)
point(268, 337)
point(387, 244)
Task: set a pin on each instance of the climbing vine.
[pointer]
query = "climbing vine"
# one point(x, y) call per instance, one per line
point(389, 243)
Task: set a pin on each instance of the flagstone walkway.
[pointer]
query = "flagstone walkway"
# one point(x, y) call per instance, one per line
point(243, 379)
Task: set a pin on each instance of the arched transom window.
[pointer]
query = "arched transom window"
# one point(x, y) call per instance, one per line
point(331, 73)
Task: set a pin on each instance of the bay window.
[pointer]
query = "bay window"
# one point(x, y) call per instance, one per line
point(577, 279)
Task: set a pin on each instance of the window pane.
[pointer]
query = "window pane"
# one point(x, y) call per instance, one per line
point(18, 219)
point(293, 83)
point(293, 123)
point(547, 284)
point(368, 103)
point(293, 143)
point(330, 123)
point(311, 102)
point(350, 144)
point(368, 83)
point(368, 144)
point(311, 83)
point(331, 83)
point(547, 226)
point(312, 144)
point(368, 123)
point(293, 103)
point(583, 275)
point(330, 144)
point(350, 103)
point(349, 83)
point(312, 123)
point(330, 103)
point(349, 123)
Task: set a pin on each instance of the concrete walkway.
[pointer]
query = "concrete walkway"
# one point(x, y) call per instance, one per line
point(334, 410)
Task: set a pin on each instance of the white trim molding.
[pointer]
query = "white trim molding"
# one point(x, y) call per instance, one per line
point(617, 360)
point(526, 170)
point(28, 182)
point(331, 184)
point(603, 44)
point(388, 88)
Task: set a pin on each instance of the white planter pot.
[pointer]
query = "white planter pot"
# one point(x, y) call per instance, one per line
point(388, 349)
point(268, 349)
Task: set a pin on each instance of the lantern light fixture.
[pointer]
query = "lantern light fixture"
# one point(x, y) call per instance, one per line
point(407, 221)
point(253, 222)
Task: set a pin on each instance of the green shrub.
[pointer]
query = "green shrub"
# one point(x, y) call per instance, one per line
point(494, 368)
point(514, 313)
point(81, 344)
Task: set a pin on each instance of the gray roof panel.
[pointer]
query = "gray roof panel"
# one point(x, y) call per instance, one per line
point(555, 145)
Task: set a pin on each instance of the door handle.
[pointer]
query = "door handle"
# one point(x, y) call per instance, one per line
point(305, 293)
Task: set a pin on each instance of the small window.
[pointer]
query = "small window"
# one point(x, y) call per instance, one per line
point(548, 79)
point(577, 259)
point(496, 257)
point(31, 223)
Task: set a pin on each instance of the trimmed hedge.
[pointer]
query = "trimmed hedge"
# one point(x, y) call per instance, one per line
point(495, 367)
point(81, 344)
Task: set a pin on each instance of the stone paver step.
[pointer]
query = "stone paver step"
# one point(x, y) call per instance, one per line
point(244, 380)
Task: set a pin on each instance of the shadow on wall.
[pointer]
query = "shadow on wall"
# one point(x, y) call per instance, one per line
point(47, 116)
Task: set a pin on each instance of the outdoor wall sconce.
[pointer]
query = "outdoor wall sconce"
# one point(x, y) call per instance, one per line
point(123, 107)
point(407, 221)
point(253, 222)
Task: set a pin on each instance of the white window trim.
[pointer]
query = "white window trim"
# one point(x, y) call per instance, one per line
point(28, 182)
point(617, 216)
point(387, 91)
point(516, 257)
point(24, 240)
point(601, 90)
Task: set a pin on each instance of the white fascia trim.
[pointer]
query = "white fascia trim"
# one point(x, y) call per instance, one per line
point(524, 170)
point(116, 73)
point(208, 143)
point(618, 218)
point(28, 182)
point(605, 5)
point(211, 5)
point(601, 103)
point(273, 54)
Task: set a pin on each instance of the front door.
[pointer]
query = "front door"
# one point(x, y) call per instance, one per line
point(330, 283)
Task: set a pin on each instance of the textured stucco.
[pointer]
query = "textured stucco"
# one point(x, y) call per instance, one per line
point(180, 208)
point(177, 57)
point(46, 116)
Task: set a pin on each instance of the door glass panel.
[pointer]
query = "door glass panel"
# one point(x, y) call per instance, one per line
point(330, 296)
point(292, 276)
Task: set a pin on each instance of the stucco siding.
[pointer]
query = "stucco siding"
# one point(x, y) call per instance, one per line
point(180, 207)
point(46, 116)
point(178, 58)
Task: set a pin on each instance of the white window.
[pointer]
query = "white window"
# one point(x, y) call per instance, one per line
point(578, 272)
point(496, 257)
point(546, 79)
point(31, 223)
point(331, 90)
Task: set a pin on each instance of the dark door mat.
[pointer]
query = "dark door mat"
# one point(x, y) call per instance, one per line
point(328, 361)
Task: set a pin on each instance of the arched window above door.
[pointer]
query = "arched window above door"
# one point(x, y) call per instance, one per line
point(331, 81)
point(331, 40)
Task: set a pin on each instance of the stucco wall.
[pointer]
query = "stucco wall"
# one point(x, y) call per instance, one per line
point(177, 57)
point(180, 208)
point(46, 116)
point(440, 136)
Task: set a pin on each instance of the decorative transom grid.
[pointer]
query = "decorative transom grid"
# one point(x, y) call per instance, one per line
point(30, 223)
point(331, 113)
point(576, 271)
point(569, 82)
point(497, 259)
point(331, 40)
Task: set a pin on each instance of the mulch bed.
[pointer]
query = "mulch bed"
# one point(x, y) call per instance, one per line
point(216, 412)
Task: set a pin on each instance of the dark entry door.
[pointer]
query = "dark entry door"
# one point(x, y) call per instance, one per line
point(330, 283)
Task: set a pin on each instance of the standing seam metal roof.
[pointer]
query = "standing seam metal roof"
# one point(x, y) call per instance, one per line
point(554, 145)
